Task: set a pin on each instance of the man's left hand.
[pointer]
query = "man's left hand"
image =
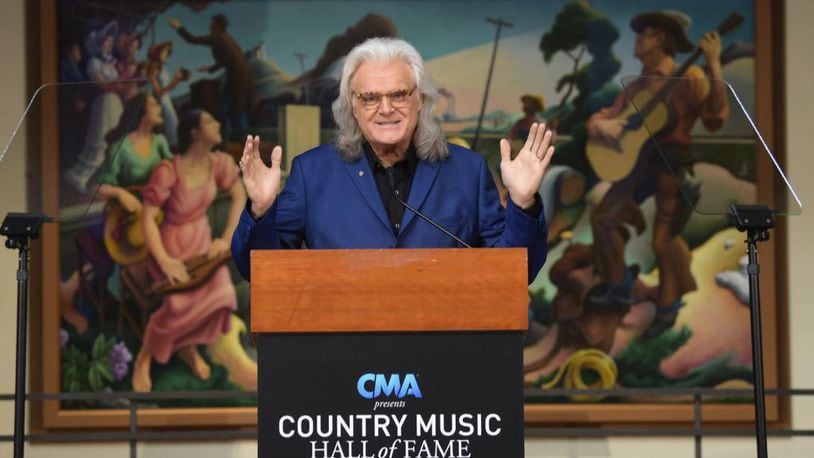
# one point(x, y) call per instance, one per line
point(523, 174)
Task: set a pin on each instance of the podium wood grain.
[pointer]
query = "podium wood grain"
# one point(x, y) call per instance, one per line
point(389, 290)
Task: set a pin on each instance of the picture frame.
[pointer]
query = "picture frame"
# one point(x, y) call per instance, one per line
point(44, 50)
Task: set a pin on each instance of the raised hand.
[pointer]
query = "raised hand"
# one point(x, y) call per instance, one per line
point(262, 183)
point(523, 174)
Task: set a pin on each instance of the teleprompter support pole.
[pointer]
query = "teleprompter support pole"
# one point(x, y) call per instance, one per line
point(20, 229)
point(756, 220)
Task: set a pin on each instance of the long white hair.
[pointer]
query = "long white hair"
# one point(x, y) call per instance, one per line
point(428, 138)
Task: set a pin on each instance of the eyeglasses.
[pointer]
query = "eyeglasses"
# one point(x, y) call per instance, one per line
point(397, 99)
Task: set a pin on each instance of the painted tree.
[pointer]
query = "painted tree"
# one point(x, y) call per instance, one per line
point(579, 29)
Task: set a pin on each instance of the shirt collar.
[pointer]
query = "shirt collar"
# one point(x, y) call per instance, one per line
point(411, 161)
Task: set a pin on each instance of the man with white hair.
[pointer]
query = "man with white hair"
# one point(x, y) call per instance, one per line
point(391, 149)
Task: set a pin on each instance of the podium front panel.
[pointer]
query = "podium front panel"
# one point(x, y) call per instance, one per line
point(368, 395)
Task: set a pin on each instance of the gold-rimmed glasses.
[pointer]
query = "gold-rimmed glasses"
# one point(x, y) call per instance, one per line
point(397, 98)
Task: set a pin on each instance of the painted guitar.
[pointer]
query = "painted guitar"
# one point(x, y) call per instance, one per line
point(612, 162)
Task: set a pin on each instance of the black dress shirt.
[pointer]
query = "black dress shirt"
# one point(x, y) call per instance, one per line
point(393, 181)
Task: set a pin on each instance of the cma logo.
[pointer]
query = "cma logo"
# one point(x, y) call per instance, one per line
point(372, 386)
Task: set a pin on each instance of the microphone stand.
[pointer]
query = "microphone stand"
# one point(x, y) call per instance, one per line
point(20, 228)
point(427, 219)
point(391, 180)
point(755, 220)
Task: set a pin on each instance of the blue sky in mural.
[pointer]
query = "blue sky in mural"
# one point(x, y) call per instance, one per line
point(434, 27)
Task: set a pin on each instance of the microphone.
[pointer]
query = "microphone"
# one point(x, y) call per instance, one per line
point(391, 180)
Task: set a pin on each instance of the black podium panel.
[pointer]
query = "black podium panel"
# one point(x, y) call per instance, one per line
point(390, 395)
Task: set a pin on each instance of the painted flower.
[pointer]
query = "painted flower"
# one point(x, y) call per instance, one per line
point(63, 338)
point(119, 358)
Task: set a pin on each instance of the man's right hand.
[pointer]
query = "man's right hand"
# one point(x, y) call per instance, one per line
point(262, 183)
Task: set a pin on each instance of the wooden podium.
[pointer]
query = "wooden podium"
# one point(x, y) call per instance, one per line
point(390, 352)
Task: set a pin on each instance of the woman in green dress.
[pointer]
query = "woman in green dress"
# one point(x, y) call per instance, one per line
point(135, 148)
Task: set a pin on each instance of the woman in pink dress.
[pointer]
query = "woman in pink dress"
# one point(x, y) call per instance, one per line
point(183, 188)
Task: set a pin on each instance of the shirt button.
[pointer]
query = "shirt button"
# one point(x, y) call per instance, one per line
point(397, 192)
point(397, 225)
point(361, 173)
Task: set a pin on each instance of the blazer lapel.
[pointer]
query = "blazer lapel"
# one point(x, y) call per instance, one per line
point(361, 176)
point(425, 175)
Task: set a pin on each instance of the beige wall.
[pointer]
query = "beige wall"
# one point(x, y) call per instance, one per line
point(11, 196)
point(800, 36)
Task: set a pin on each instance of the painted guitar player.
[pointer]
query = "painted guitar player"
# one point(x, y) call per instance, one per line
point(670, 98)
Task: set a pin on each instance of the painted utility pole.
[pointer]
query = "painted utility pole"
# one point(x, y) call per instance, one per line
point(500, 23)
point(301, 57)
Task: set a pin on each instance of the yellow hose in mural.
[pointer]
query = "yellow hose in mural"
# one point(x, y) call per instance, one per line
point(570, 372)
